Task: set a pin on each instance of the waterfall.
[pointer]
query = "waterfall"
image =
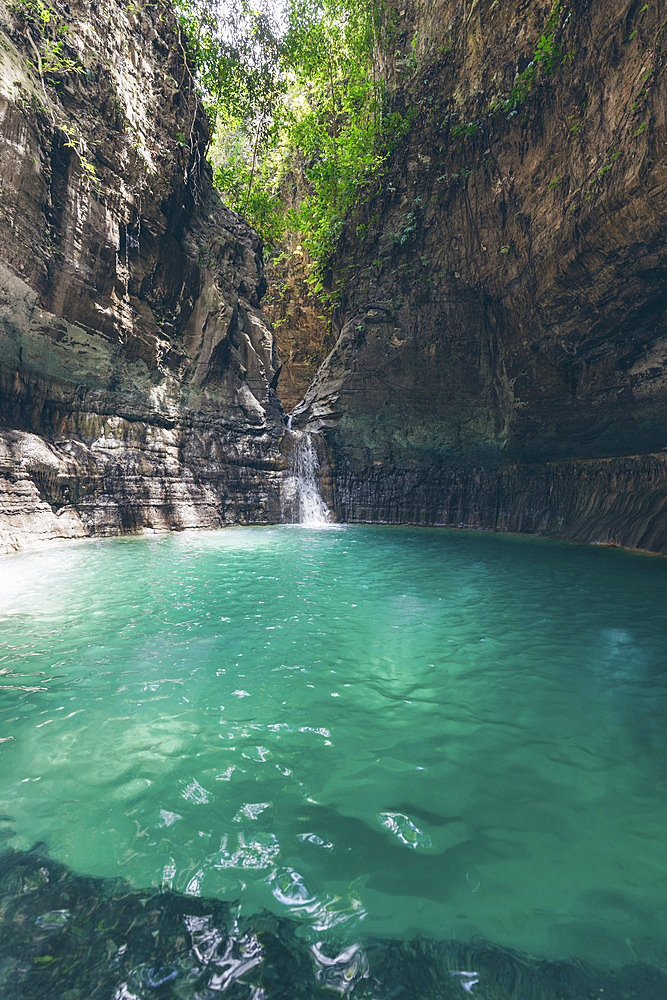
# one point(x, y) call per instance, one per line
point(304, 501)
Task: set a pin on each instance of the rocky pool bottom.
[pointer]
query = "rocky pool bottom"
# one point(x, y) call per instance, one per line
point(68, 937)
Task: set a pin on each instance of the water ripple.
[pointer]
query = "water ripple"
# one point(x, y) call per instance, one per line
point(418, 731)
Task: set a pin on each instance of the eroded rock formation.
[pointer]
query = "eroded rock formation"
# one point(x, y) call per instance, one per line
point(137, 372)
point(501, 356)
point(300, 321)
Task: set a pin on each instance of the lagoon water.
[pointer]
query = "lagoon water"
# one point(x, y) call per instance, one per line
point(372, 731)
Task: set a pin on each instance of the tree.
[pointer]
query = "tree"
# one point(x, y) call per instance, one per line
point(309, 90)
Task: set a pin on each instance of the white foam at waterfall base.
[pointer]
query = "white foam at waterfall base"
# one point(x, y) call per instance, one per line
point(303, 494)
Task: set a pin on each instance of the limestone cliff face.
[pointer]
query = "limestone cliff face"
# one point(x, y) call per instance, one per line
point(300, 321)
point(137, 373)
point(501, 356)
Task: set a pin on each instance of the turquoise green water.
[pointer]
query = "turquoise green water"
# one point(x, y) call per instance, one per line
point(374, 731)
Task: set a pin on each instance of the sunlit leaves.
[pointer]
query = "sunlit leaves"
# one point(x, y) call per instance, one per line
point(305, 96)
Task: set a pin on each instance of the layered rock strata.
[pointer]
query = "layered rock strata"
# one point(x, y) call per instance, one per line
point(137, 372)
point(501, 361)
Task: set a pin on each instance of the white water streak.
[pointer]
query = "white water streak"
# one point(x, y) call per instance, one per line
point(303, 493)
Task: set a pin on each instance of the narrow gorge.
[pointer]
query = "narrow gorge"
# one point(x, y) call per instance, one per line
point(377, 289)
point(498, 302)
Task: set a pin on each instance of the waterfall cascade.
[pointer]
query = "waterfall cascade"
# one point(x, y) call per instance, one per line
point(304, 502)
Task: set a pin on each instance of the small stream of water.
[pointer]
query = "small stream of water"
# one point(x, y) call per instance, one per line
point(303, 501)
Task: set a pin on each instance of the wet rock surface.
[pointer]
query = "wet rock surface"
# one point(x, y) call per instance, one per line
point(137, 371)
point(72, 937)
point(501, 358)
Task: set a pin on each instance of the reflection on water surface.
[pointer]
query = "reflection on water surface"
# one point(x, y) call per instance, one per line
point(65, 937)
point(363, 734)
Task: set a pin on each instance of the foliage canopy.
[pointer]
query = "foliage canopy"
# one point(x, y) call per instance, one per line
point(298, 110)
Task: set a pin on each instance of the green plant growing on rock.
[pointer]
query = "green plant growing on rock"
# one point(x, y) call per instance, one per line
point(549, 55)
point(409, 230)
point(47, 35)
point(49, 47)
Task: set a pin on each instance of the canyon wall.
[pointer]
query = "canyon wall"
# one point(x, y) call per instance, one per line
point(300, 321)
point(137, 372)
point(500, 297)
point(501, 358)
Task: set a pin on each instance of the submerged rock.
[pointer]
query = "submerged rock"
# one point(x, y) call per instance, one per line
point(68, 937)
